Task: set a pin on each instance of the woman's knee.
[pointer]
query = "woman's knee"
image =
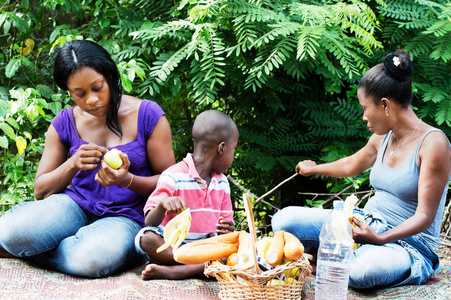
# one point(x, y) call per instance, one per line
point(285, 219)
point(296, 219)
point(13, 233)
point(30, 228)
point(101, 250)
point(382, 266)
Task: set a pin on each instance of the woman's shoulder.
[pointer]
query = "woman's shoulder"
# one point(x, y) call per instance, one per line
point(142, 105)
point(435, 145)
point(63, 116)
point(434, 137)
point(376, 140)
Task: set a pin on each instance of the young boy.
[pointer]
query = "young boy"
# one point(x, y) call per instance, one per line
point(197, 183)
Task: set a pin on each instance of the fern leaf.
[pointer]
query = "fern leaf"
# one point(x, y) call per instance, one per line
point(307, 42)
point(442, 48)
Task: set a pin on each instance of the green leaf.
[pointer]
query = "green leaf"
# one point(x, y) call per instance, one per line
point(12, 67)
point(7, 26)
point(175, 86)
point(45, 91)
point(25, 3)
point(3, 108)
point(8, 130)
point(4, 142)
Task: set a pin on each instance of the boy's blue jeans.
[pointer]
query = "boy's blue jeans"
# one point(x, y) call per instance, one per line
point(404, 262)
point(57, 234)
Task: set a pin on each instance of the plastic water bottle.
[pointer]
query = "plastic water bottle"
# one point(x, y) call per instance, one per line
point(334, 255)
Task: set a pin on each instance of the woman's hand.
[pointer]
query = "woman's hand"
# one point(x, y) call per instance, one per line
point(108, 176)
point(225, 226)
point(364, 234)
point(88, 156)
point(304, 167)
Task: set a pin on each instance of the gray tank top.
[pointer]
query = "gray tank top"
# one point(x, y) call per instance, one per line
point(396, 196)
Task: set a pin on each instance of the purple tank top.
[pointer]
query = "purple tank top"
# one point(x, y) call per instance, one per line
point(114, 200)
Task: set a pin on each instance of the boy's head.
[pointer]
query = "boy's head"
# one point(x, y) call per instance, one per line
point(215, 132)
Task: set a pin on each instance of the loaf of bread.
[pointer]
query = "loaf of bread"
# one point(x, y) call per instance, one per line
point(208, 249)
point(274, 254)
point(245, 257)
point(293, 248)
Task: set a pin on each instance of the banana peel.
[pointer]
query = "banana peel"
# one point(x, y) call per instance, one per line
point(176, 230)
point(225, 276)
point(349, 204)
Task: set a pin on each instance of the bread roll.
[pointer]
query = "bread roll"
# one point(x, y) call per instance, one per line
point(213, 248)
point(293, 248)
point(245, 257)
point(274, 254)
point(262, 245)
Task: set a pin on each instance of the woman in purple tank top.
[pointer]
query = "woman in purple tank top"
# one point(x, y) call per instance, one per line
point(88, 213)
point(411, 170)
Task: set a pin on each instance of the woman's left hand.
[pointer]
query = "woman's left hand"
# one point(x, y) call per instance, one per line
point(108, 176)
point(364, 234)
point(225, 226)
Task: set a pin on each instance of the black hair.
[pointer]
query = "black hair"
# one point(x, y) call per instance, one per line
point(390, 79)
point(212, 127)
point(83, 53)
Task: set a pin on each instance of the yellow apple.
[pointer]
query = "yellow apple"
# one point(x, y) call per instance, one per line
point(274, 282)
point(291, 273)
point(291, 280)
point(113, 159)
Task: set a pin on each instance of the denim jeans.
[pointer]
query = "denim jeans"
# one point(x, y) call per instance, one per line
point(56, 233)
point(399, 263)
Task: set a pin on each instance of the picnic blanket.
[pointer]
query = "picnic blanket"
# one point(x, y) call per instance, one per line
point(21, 280)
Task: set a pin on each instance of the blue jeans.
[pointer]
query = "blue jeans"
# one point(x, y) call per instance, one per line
point(393, 264)
point(56, 233)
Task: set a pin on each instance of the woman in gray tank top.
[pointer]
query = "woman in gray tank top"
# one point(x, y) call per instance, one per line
point(411, 169)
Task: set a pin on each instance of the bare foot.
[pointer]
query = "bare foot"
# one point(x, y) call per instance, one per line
point(154, 271)
point(6, 254)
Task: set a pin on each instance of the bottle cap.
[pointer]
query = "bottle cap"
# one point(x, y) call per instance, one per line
point(339, 204)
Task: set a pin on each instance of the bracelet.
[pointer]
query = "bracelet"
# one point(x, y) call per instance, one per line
point(129, 183)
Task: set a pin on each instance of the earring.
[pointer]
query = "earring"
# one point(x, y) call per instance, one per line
point(386, 113)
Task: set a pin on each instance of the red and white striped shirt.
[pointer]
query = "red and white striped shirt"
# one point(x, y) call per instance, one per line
point(206, 203)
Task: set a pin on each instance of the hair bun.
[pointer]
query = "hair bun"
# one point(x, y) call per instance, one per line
point(398, 66)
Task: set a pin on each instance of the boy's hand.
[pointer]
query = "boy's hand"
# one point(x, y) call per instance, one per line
point(174, 205)
point(225, 226)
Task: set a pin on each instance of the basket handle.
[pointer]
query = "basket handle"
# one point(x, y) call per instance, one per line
point(250, 221)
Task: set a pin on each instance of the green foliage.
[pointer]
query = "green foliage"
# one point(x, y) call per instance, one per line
point(285, 70)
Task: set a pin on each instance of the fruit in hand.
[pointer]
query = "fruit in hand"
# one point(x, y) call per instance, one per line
point(113, 159)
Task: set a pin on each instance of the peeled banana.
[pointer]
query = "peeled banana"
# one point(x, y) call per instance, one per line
point(176, 230)
point(349, 204)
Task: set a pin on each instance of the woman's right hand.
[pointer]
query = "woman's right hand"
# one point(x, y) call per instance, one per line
point(88, 156)
point(304, 167)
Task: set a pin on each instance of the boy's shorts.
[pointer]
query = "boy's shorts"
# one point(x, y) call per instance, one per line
point(160, 231)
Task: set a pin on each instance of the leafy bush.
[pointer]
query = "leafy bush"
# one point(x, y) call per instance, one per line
point(286, 71)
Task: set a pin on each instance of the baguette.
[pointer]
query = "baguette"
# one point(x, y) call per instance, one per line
point(245, 257)
point(213, 248)
point(274, 254)
point(293, 249)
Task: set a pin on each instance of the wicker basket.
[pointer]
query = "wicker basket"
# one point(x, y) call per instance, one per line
point(249, 285)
